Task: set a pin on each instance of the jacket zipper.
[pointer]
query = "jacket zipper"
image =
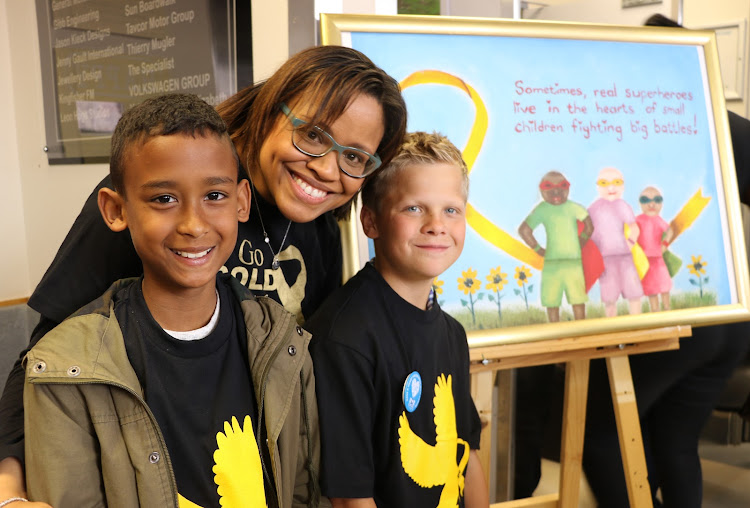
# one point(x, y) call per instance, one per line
point(264, 381)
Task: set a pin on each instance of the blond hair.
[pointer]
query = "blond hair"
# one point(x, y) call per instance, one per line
point(417, 148)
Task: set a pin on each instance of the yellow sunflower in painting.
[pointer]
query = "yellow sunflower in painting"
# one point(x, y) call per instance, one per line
point(468, 282)
point(496, 279)
point(523, 275)
point(437, 286)
point(698, 266)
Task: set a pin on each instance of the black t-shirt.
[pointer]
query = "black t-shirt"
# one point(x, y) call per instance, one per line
point(367, 341)
point(309, 261)
point(201, 394)
point(92, 257)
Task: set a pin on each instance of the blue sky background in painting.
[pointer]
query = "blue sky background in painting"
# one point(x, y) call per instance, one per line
point(505, 177)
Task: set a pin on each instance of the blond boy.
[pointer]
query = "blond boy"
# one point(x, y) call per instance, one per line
point(399, 427)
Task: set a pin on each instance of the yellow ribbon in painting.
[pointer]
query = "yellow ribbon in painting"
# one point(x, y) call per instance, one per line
point(689, 212)
point(683, 220)
point(483, 226)
point(639, 257)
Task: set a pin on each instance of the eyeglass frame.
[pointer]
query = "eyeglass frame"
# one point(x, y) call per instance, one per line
point(547, 185)
point(616, 182)
point(298, 122)
point(644, 200)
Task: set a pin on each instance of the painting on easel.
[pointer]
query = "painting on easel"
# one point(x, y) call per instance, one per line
point(602, 194)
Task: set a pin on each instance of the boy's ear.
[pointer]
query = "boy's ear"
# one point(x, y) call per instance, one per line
point(112, 207)
point(369, 224)
point(243, 200)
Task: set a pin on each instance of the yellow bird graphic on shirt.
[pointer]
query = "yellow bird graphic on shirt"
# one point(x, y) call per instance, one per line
point(430, 466)
point(237, 468)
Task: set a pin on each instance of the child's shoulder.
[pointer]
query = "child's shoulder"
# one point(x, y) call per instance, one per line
point(354, 297)
point(78, 343)
point(353, 313)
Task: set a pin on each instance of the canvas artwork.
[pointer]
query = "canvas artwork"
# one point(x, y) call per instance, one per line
point(601, 183)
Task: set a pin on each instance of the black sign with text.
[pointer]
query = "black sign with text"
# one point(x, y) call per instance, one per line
point(100, 57)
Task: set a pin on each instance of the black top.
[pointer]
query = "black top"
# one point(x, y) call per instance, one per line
point(196, 389)
point(739, 129)
point(366, 341)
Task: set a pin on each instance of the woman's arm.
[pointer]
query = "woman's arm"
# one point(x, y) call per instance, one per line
point(12, 484)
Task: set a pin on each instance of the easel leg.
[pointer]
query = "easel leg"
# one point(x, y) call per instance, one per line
point(504, 450)
point(629, 431)
point(574, 423)
point(482, 384)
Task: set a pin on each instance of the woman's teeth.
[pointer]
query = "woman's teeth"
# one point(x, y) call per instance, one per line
point(309, 189)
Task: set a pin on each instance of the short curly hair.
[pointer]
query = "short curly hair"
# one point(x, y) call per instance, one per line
point(162, 116)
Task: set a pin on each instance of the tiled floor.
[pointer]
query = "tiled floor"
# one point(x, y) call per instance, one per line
point(726, 477)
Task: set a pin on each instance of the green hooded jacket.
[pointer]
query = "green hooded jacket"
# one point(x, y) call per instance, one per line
point(91, 440)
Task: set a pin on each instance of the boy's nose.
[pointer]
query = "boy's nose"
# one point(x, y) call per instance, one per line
point(434, 224)
point(326, 167)
point(192, 222)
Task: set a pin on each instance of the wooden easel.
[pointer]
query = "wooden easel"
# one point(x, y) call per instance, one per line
point(576, 352)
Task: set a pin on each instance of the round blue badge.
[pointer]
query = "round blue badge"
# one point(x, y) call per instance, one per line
point(412, 391)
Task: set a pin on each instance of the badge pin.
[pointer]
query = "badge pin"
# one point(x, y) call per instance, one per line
point(412, 391)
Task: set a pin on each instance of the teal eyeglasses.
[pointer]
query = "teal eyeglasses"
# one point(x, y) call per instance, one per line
point(315, 142)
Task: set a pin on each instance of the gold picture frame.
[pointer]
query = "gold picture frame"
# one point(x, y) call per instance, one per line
point(654, 108)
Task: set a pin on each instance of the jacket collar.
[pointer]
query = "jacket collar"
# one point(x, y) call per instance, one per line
point(87, 347)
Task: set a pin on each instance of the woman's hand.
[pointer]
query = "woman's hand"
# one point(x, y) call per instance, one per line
point(12, 485)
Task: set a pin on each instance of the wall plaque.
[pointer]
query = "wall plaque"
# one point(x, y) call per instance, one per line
point(100, 57)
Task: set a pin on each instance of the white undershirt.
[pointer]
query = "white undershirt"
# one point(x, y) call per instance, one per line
point(203, 331)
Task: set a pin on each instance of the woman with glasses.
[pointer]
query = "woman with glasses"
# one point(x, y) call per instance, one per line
point(308, 138)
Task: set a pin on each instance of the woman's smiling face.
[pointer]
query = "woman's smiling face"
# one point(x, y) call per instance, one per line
point(305, 187)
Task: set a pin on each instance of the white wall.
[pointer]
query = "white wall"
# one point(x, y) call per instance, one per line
point(270, 36)
point(382, 7)
point(14, 268)
point(48, 197)
point(699, 13)
point(603, 11)
point(476, 8)
point(585, 11)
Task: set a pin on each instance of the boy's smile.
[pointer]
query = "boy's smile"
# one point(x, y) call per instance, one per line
point(181, 204)
point(420, 226)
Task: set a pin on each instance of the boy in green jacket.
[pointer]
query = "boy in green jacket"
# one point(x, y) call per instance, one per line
point(177, 388)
